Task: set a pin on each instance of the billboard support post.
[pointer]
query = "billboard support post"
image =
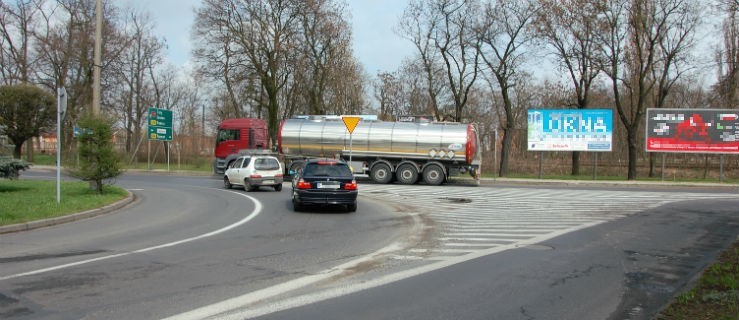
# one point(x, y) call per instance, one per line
point(595, 167)
point(495, 156)
point(663, 166)
point(721, 169)
point(541, 163)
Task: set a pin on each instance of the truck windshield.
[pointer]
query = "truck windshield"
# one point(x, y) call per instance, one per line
point(227, 134)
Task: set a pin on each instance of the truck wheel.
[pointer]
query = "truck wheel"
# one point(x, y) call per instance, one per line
point(226, 183)
point(433, 175)
point(407, 174)
point(381, 173)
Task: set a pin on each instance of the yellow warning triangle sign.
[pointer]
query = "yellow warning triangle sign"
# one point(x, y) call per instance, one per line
point(350, 122)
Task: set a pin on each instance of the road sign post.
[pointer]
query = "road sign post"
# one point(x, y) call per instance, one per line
point(61, 111)
point(350, 122)
point(160, 124)
point(160, 128)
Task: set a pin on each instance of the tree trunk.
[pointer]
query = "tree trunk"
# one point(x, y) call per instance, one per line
point(632, 154)
point(17, 149)
point(29, 150)
point(575, 163)
point(505, 150)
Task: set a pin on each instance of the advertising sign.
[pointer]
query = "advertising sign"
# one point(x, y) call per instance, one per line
point(693, 130)
point(570, 130)
point(160, 124)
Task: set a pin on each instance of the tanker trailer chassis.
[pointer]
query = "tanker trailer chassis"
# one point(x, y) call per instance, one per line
point(405, 152)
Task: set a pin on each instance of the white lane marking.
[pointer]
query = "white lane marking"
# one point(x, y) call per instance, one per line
point(254, 213)
point(242, 301)
point(218, 309)
point(246, 313)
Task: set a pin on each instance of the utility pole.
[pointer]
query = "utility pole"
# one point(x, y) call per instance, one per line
point(98, 58)
point(202, 127)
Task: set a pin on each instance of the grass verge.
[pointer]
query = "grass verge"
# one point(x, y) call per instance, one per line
point(715, 295)
point(28, 200)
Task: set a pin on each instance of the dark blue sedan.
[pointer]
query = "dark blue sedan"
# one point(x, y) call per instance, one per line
point(324, 182)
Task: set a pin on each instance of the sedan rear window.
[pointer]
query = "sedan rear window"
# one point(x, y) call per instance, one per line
point(327, 170)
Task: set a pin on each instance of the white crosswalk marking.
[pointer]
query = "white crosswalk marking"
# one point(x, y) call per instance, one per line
point(469, 219)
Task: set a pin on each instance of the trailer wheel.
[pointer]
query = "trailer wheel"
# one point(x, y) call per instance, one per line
point(433, 175)
point(407, 174)
point(381, 173)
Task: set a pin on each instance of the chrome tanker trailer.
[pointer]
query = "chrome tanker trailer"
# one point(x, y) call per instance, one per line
point(404, 151)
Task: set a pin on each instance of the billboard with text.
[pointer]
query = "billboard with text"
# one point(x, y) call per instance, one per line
point(693, 130)
point(570, 130)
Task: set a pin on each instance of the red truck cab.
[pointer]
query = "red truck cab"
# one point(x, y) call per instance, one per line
point(237, 135)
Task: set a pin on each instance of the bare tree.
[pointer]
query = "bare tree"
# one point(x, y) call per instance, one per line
point(264, 31)
point(418, 25)
point(390, 93)
point(442, 31)
point(727, 58)
point(570, 28)
point(504, 38)
point(219, 59)
point(327, 42)
point(138, 85)
point(680, 22)
point(636, 48)
point(16, 39)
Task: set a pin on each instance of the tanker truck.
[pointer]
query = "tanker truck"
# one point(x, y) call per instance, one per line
point(407, 152)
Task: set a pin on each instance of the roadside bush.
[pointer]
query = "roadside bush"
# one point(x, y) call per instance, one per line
point(98, 161)
point(10, 168)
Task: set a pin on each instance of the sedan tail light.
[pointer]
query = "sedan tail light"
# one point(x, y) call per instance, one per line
point(351, 186)
point(303, 185)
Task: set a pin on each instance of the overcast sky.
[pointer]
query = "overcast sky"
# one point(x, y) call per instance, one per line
point(375, 44)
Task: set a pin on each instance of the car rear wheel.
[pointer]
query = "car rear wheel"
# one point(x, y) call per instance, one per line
point(381, 173)
point(352, 207)
point(278, 187)
point(227, 183)
point(248, 187)
point(297, 206)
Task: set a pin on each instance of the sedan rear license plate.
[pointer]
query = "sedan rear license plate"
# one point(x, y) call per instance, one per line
point(327, 185)
point(268, 181)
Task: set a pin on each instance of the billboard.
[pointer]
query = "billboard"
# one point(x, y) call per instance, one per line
point(693, 130)
point(570, 130)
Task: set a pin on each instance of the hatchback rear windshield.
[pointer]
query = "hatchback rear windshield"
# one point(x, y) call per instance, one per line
point(266, 164)
point(327, 170)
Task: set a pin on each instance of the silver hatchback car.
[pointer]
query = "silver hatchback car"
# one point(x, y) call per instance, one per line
point(254, 171)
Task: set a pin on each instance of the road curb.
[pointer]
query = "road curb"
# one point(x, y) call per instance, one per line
point(68, 218)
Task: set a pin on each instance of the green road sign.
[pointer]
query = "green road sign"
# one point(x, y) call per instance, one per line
point(160, 134)
point(160, 124)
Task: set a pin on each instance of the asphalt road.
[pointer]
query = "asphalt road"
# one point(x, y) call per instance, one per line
point(188, 249)
point(185, 242)
point(624, 269)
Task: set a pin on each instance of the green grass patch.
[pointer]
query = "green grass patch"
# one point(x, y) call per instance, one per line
point(192, 167)
point(29, 200)
point(715, 296)
point(43, 159)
